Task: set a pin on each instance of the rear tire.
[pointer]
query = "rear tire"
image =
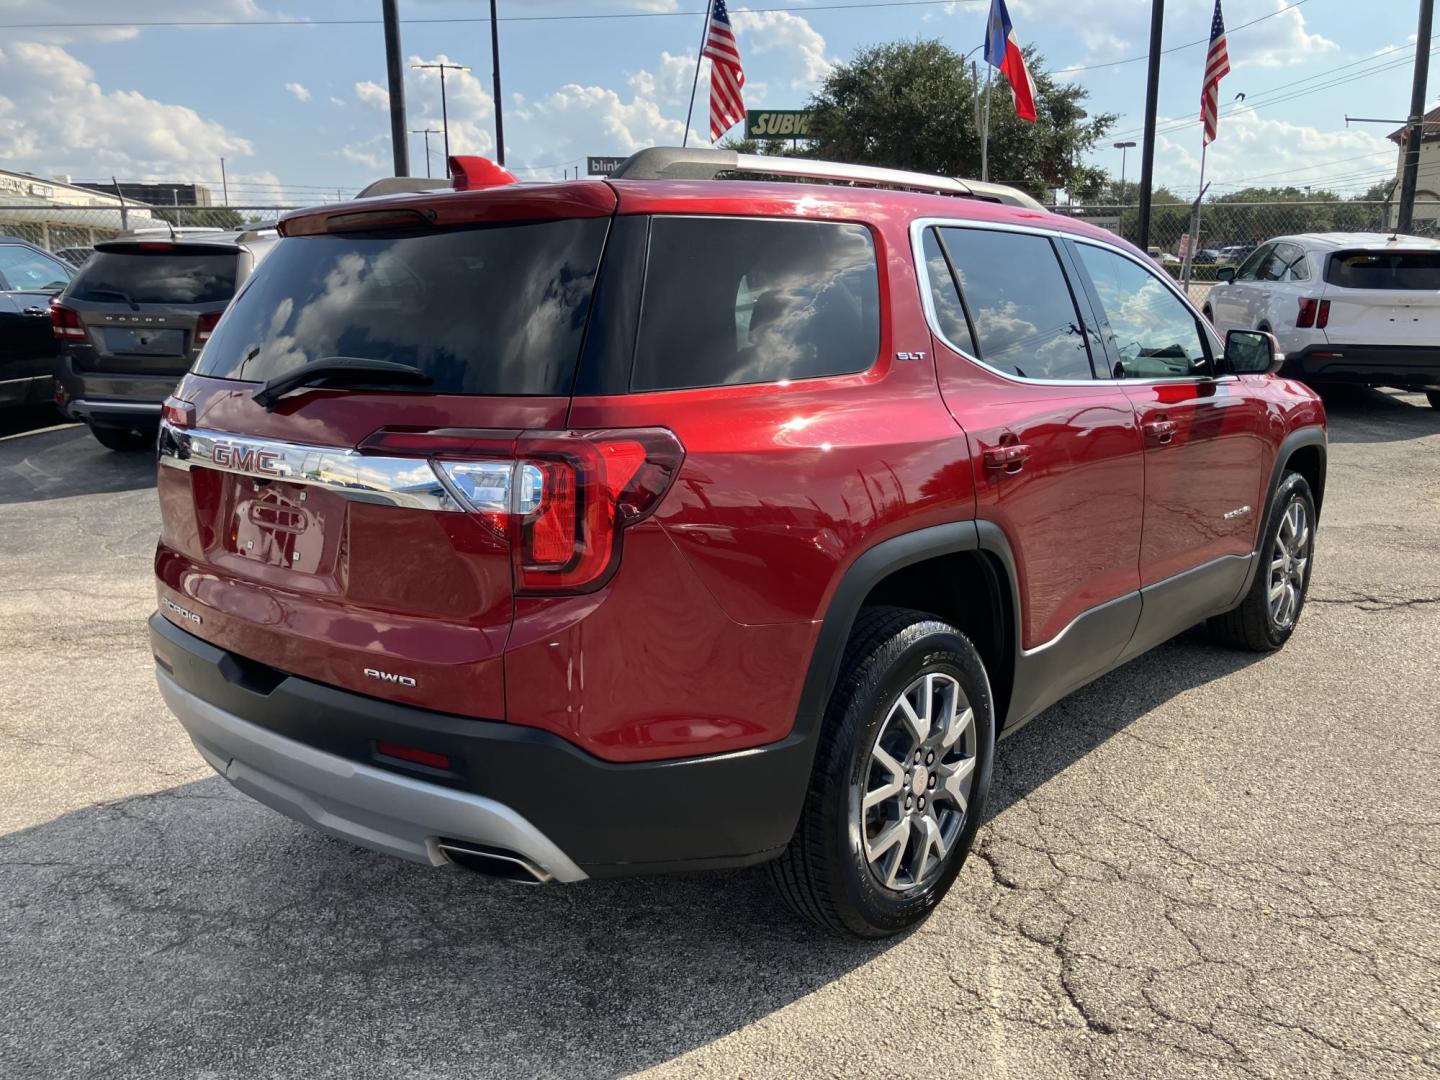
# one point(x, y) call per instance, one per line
point(1433, 396)
point(124, 439)
point(875, 870)
point(1264, 620)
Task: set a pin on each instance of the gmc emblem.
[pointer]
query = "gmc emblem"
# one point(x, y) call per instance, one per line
point(247, 459)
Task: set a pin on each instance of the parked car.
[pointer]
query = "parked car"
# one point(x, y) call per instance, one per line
point(134, 319)
point(29, 278)
point(1205, 257)
point(1346, 307)
point(664, 526)
point(1235, 254)
point(75, 256)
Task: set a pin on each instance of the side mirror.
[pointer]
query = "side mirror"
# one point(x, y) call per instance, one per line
point(1225, 274)
point(1252, 352)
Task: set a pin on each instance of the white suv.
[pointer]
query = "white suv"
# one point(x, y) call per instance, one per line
point(1347, 307)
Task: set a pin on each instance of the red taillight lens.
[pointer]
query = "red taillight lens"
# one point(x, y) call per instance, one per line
point(562, 499)
point(1322, 320)
point(412, 754)
point(178, 413)
point(205, 326)
point(1306, 318)
point(65, 323)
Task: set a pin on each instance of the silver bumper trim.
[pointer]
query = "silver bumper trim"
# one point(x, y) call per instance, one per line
point(86, 405)
point(365, 805)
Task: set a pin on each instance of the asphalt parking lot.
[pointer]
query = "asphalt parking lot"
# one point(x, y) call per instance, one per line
point(1202, 865)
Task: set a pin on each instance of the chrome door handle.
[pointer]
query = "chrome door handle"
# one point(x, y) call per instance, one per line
point(1162, 431)
point(1011, 457)
point(33, 310)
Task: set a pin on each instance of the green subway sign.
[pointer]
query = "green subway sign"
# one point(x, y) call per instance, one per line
point(778, 124)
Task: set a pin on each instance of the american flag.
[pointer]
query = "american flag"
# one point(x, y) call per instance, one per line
point(1217, 66)
point(727, 107)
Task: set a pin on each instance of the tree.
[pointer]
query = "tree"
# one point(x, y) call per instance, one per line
point(911, 105)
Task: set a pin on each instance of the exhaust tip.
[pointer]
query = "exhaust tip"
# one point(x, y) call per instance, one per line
point(493, 862)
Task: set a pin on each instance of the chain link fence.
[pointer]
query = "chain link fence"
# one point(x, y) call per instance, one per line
point(61, 227)
point(1229, 231)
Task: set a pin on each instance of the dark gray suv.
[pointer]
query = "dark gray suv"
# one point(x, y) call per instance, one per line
point(134, 318)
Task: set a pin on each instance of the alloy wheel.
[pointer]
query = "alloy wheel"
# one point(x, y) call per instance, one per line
point(914, 793)
point(1289, 560)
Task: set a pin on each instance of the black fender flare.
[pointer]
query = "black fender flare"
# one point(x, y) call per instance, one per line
point(1310, 435)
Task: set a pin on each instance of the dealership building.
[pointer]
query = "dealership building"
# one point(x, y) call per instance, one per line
point(55, 213)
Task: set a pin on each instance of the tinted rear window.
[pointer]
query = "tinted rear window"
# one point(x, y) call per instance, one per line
point(1384, 270)
point(734, 300)
point(157, 278)
point(485, 310)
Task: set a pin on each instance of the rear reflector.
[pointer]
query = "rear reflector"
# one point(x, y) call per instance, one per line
point(1306, 318)
point(412, 754)
point(561, 499)
point(65, 322)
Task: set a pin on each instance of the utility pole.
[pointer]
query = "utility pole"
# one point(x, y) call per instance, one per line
point(1415, 138)
point(495, 60)
point(1147, 146)
point(224, 184)
point(395, 77)
point(444, 109)
point(427, 132)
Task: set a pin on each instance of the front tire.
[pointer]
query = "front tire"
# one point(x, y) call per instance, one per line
point(1267, 616)
point(900, 778)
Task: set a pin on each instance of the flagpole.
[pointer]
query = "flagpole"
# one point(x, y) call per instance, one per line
point(985, 137)
point(1194, 222)
point(699, 59)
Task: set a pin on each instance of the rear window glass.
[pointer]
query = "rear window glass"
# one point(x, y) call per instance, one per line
point(1019, 301)
point(1385, 270)
point(484, 310)
point(731, 300)
point(156, 278)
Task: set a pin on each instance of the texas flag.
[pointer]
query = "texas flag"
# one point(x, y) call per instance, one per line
point(1003, 51)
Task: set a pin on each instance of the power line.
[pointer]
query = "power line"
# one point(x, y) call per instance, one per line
point(1180, 48)
point(450, 20)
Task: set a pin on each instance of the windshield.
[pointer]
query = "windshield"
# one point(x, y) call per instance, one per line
point(161, 277)
point(483, 310)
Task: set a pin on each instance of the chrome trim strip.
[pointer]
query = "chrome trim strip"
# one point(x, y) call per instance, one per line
point(386, 481)
point(86, 405)
point(927, 301)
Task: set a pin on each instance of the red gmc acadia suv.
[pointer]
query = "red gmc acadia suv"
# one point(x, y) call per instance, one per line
point(567, 530)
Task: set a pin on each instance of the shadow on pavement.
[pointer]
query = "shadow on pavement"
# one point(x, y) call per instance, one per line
point(194, 930)
point(43, 457)
point(1359, 414)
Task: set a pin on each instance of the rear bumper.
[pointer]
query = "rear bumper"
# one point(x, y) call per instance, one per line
point(1372, 365)
point(310, 751)
point(112, 398)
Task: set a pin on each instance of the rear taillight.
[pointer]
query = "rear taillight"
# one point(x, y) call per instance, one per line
point(562, 499)
point(205, 326)
point(65, 323)
point(177, 413)
point(1322, 320)
point(1306, 318)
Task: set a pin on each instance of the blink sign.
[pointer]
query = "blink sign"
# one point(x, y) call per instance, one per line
point(777, 124)
point(601, 166)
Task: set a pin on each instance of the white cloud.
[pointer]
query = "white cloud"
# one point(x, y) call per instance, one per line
point(471, 107)
point(55, 117)
point(299, 92)
point(372, 153)
point(372, 94)
point(1279, 41)
point(671, 83)
point(763, 31)
point(339, 102)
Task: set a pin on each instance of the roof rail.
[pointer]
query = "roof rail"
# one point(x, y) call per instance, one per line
point(702, 163)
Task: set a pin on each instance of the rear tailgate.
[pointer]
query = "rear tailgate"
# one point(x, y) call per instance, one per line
point(297, 539)
point(1383, 298)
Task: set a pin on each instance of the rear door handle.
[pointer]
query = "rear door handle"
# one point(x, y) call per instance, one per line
point(1162, 431)
point(1011, 457)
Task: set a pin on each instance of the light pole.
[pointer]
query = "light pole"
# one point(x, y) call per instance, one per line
point(1123, 147)
point(427, 132)
point(444, 110)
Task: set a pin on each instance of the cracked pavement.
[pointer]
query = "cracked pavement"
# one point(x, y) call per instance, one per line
point(1203, 865)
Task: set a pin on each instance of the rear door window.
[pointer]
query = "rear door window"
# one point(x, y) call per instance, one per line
point(172, 276)
point(1405, 270)
point(496, 309)
point(1019, 302)
point(738, 300)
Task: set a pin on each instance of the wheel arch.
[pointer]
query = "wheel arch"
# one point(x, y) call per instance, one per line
point(957, 572)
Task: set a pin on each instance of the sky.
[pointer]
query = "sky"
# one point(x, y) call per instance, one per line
point(298, 108)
